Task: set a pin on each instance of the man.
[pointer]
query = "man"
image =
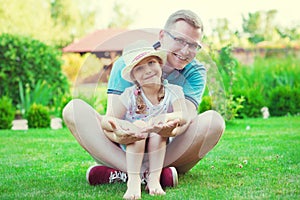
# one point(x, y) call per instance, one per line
point(180, 36)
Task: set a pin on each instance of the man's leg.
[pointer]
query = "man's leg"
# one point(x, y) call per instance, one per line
point(84, 123)
point(203, 134)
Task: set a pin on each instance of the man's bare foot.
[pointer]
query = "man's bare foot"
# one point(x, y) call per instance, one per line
point(133, 189)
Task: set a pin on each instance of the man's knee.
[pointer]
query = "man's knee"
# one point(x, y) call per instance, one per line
point(68, 111)
point(212, 127)
point(214, 120)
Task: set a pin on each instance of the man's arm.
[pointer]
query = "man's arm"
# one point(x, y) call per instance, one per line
point(191, 109)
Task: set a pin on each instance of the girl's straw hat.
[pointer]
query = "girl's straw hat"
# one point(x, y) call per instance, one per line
point(135, 53)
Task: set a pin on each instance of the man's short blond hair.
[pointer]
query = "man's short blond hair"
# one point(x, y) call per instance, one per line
point(185, 15)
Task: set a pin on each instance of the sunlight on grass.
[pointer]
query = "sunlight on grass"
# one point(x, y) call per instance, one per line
point(260, 163)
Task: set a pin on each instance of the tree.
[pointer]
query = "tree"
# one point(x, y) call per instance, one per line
point(26, 62)
point(67, 16)
point(121, 18)
point(260, 26)
point(222, 32)
point(55, 22)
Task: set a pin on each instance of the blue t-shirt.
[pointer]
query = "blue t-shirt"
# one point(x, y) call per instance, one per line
point(192, 78)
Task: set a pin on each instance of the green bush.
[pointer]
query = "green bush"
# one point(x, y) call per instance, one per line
point(206, 104)
point(29, 61)
point(260, 82)
point(7, 113)
point(41, 94)
point(233, 106)
point(284, 100)
point(254, 101)
point(61, 104)
point(267, 74)
point(38, 116)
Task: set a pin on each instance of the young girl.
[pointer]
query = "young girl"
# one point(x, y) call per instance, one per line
point(150, 101)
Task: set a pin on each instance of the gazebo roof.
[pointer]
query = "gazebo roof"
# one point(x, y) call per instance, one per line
point(106, 40)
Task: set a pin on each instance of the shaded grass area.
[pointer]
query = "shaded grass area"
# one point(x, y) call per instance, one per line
point(260, 163)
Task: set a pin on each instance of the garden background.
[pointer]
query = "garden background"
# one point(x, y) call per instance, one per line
point(254, 67)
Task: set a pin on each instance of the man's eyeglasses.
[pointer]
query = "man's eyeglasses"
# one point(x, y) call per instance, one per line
point(182, 42)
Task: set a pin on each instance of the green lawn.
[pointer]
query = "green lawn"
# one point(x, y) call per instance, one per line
point(260, 163)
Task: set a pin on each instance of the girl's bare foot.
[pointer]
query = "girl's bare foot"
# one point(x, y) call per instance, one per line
point(154, 187)
point(133, 189)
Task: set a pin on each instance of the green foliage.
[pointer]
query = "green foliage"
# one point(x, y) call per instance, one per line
point(227, 66)
point(252, 104)
point(284, 100)
point(94, 96)
point(260, 26)
point(256, 83)
point(233, 105)
point(59, 104)
point(256, 39)
point(38, 116)
point(214, 83)
point(40, 94)
point(121, 18)
point(206, 104)
point(99, 104)
point(89, 66)
point(279, 71)
point(30, 63)
point(59, 22)
point(251, 87)
point(7, 112)
point(71, 65)
point(103, 107)
point(55, 22)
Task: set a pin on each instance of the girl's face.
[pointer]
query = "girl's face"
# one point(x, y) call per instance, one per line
point(148, 71)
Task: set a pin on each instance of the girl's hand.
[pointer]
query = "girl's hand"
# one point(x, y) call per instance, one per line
point(164, 129)
point(122, 131)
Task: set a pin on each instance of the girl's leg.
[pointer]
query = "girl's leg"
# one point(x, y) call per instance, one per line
point(156, 151)
point(134, 158)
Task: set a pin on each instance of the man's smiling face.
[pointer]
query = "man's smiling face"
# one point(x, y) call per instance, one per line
point(180, 41)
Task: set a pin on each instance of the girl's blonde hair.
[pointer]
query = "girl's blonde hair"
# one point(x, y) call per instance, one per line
point(140, 103)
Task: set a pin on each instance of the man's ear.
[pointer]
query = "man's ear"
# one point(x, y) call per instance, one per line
point(161, 35)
